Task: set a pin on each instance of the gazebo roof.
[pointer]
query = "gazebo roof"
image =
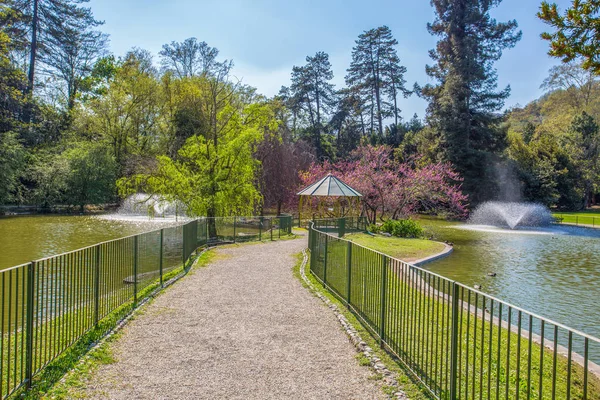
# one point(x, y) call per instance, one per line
point(330, 186)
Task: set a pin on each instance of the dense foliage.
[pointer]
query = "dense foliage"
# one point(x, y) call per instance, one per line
point(555, 141)
point(404, 228)
point(80, 126)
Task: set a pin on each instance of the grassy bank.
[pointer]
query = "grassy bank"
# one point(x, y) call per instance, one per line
point(404, 249)
point(495, 359)
point(587, 217)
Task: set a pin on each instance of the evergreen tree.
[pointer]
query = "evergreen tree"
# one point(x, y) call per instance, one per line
point(376, 73)
point(46, 21)
point(464, 103)
point(12, 102)
point(576, 32)
point(311, 87)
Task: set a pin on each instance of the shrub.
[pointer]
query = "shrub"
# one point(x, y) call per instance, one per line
point(373, 228)
point(406, 228)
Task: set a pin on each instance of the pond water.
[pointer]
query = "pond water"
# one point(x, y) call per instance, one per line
point(31, 237)
point(552, 272)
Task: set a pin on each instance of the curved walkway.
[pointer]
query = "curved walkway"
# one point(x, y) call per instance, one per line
point(242, 328)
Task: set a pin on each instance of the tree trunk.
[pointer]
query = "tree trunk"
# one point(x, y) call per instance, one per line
point(212, 223)
point(33, 52)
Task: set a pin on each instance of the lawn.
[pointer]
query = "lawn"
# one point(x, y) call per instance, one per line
point(403, 249)
point(588, 217)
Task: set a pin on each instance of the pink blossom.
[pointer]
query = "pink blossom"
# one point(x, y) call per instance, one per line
point(392, 189)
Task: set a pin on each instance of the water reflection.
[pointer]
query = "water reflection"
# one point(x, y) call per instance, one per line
point(26, 238)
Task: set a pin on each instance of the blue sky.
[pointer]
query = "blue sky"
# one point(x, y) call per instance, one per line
point(265, 38)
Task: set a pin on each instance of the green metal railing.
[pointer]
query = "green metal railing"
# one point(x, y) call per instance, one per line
point(458, 342)
point(47, 305)
point(341, 225)
point(583, 220)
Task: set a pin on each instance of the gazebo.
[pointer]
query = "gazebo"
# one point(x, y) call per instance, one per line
point(329, 186)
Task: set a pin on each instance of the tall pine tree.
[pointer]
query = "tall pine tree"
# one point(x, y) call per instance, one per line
point(312, 89)
point(464, 103)
point(376, 73)
point(46, 21)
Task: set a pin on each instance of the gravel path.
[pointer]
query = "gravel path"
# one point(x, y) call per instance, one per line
point(243, 328)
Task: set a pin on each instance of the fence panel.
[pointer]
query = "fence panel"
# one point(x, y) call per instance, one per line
point(49, 304)
point(459, 342)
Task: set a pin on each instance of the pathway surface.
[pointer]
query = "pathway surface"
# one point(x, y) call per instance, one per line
point(242, 328)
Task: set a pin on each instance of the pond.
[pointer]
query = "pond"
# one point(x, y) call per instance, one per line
point(554, 272)
point(31, 237)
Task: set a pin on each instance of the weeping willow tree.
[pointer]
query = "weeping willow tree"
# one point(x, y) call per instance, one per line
point(213, 173)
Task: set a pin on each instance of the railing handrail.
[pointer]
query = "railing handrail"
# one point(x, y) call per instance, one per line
point(548, 320)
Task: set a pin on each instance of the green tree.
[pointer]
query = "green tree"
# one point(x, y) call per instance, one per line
point(127, 113)
point(587, 151)
point(312, 89)
point(12, 103)
point(376, 73)
point(464, 102)
point(91, 174)
point(45, 22)
point(214, 172)
point(576, 32)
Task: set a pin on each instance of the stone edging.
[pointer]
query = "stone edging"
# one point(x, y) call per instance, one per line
point(361, 346)
point(444, 253)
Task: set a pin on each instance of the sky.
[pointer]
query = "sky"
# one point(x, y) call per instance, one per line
point(265, 38)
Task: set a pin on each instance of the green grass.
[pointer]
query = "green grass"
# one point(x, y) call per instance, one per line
point(400, 248)
point(587, 217)
point(417, 329)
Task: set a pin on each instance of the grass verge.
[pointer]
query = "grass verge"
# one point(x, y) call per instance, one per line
point(417, 319)
point(413, 390)
point(400, 248)
point(65, 377)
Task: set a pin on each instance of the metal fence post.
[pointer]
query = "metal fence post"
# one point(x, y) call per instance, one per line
point(349, 270)
point(384, 264)
point(454, 343)
point(97, 287)
point(160, 262)
point(271, 226)
point(183, 247)
point(234, 218)
point(260, 222)
point(325, 260)
point(29, 321)
point(135, 269)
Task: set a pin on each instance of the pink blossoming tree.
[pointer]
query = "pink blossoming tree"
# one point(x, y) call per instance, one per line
point(392, 189)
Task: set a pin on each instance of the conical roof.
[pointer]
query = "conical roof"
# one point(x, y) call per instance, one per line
point(330, 186)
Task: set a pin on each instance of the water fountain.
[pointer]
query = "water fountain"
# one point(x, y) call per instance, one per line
point(141, 207)
point(512, 215)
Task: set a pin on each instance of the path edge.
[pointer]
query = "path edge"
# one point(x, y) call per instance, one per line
point(355, 338)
